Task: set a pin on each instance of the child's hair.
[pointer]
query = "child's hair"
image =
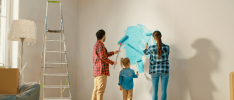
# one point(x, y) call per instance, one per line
point(125, 62)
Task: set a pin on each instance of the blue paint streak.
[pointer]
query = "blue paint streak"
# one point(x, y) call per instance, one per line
point(141, 52)
point(135, 44)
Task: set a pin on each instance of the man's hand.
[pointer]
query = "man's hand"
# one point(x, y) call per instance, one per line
point(115, 62)
point(116, 51)
point(120, 88)
point(146, 46)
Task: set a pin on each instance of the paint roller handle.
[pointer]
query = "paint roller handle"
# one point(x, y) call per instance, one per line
point(118, 53)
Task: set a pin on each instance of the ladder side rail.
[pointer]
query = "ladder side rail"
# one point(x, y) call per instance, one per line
point(65, 50)
point(45, 50)
point(61, 89)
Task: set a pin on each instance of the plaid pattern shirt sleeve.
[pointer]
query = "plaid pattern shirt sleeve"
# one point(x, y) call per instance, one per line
point(110, 53)
point(100, 60)
point(158, 65)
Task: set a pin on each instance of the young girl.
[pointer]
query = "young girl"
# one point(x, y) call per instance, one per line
point(159, 65)
point(126, 76)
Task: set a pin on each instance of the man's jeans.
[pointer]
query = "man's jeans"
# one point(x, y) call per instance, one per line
point(164, 81)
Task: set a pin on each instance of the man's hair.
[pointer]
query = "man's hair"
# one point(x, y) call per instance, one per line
point(100, 34)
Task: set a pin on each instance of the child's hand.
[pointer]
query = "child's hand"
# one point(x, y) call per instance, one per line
point(137, 74)
point(120, 88)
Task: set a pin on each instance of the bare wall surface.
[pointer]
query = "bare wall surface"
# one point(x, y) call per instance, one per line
point(35, 10)
point(199, 33)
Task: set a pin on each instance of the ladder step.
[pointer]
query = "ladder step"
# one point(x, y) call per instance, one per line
point(54, 31)
point(64, 63)
point(55, 40)
point(56, 51)
point(56, 86)
point(57, 98)
point(57, 74)
point(51, 67)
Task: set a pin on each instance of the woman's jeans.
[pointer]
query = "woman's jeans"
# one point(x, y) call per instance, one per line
point(164, 81)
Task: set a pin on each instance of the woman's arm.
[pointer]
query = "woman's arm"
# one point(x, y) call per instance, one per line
point(147, 51)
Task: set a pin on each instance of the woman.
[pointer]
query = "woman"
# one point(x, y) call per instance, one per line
point(159, 65)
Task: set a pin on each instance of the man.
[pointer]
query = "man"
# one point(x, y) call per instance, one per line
point(101, 65)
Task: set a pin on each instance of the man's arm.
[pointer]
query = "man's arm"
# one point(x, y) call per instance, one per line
point(103, 55)
point(110, 53)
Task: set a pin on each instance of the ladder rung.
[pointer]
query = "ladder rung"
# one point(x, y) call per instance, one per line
point(54, 31)
point(56, 51)
point(55, 40)
point(57, 98)
point(57, 74)
point(51, 67)
point(56, 63)
point(56, 86)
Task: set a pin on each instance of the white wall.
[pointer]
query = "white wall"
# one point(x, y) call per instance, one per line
point(35, 10)
point(199, 33)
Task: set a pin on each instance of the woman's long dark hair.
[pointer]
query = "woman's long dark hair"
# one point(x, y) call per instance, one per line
point(157, 35)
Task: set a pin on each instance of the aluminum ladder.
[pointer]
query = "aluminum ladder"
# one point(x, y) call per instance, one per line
point(44, 63)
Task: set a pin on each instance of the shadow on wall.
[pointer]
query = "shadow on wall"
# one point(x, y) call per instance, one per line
point(178, 80)
point(199, 69)
point(190, 79)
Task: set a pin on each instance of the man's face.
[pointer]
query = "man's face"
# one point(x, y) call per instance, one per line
point(104, 38)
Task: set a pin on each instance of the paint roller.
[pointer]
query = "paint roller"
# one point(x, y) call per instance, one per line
point(149, 34)
point(120, 43)
point(137, 65)
point(138, 61)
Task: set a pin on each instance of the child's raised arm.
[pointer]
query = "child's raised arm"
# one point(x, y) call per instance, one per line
point(135, 75)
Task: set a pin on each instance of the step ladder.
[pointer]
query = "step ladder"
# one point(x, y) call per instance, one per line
point(44, 63)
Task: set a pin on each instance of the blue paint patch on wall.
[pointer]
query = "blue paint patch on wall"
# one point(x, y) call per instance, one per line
point(135, 44)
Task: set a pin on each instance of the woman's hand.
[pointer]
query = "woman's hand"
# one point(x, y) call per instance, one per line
point(146, 46)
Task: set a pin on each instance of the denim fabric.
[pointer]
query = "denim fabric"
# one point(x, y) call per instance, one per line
point(126, 78)
point(164, 81)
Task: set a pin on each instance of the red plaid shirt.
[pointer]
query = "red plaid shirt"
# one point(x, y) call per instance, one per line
point(100, 59)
